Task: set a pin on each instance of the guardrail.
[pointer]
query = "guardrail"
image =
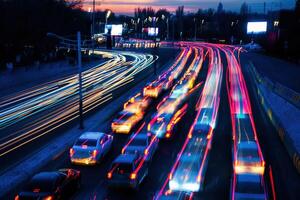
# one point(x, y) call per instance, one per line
point(287, 94)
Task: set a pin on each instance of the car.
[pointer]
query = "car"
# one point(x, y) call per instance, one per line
point(163, 123)
point(153, 89)
point(144, 144)
point(127, 170)
point(159, 125)
point(90, 148)
point(248, 186)
point(59, 184)
point(125, 121)
point(179, 91)
point(137, 104)
point(186, 175)
point(247, 159)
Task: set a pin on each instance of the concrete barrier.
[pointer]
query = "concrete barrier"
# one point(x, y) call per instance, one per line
point(286, 119)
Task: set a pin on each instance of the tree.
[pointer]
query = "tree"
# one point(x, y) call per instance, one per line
point(220, 8)
point(244, 9)
point(179, 16)
point(297, 9)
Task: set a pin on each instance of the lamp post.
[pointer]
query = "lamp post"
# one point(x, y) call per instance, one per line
point(108, 13)
point(195, 34)
point(77, 45)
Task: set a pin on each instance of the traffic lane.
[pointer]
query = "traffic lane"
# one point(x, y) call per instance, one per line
point(98, 189)
point(219, 167)
point(163, 159)
point(16, 156)
point(286, 177)
point(96, 173)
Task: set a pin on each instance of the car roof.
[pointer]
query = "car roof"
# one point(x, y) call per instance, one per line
point(140, 136)
point(248, 145)
point(126, 158)
point(249, 178)
point(92, 135)
point(51, 176)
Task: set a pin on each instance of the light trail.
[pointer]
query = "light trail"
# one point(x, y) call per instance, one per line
point(40, 110)
point(248, 161)
point(188, 172)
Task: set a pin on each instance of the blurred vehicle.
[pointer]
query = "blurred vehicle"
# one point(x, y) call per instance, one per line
point(248, 159)
point(137, 104)
point(153, 89)
point(179, 91)
point(125, 121)
point(51, 185)
point(143, 144)
point(90, 148)
point(127, 170)
point(168, 82)
point(189, 80)
point(248, 186)
point(162, 124)
point(190, 182)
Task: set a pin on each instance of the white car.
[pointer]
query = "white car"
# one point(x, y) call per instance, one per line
point(248, 186)
point(90, 147)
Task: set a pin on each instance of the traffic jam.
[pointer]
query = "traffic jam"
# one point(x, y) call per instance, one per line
point(150, 118)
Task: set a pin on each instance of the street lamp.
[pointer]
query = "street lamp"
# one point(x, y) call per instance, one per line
point(108, 13)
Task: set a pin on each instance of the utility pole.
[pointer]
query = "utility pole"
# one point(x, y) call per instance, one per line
point(195, 22)
point(80, 80)
point(168, 28)
point(93, 27)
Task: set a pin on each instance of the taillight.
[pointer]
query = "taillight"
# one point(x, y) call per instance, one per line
point(169, 127)
point(17, 197)
point(132, 176)
point(109, 175)
point(48, 198)
point(94, 153)
point(72, 151)
point(149, 127)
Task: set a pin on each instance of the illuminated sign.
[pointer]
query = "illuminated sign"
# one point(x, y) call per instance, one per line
point(115, 29)
point(256, 27)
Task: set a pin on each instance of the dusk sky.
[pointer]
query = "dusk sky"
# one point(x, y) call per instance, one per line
point(128, 6)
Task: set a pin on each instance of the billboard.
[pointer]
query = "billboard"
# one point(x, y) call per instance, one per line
point(116, 29)
point(256, 27)
point(152, 31)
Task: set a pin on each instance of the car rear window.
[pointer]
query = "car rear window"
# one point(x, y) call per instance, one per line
point(87, 142)
point(249, 188)
point(41, 185)
point(124, 168)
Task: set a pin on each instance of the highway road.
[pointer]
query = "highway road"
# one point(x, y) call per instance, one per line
point(217, 150)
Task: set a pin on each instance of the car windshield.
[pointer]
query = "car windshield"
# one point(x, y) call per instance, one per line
point(86, 142)
point(41, 185)
point(124, 168)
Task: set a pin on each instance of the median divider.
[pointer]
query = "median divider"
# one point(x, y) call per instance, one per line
point(282, 106)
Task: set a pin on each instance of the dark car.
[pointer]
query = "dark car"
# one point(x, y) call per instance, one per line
point(127, 170)
point(51, 185)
